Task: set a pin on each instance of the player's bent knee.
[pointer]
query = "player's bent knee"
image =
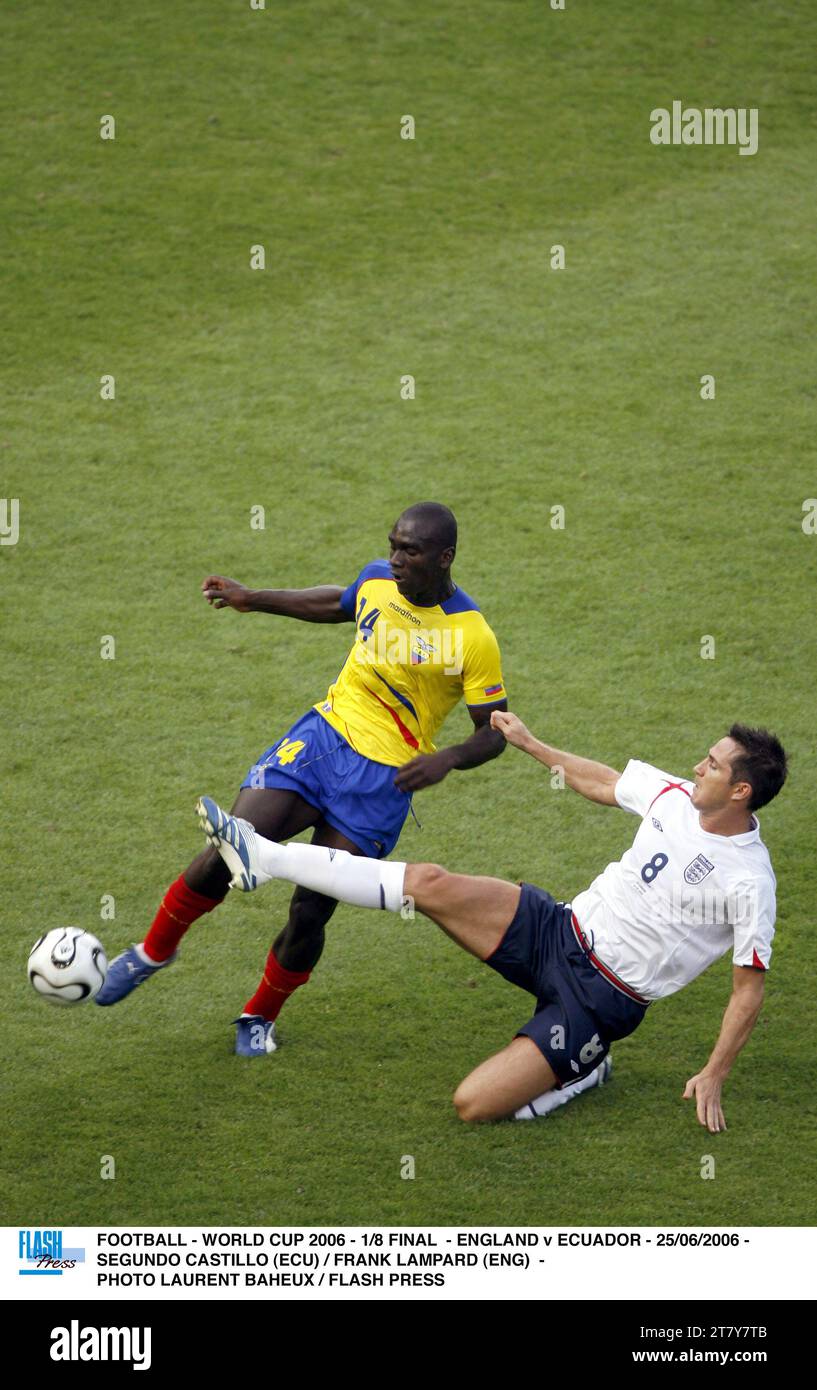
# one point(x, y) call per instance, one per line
point(471, 1105)
point(425, 882)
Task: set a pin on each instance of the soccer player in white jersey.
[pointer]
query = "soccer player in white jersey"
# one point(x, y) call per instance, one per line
point(696, 883)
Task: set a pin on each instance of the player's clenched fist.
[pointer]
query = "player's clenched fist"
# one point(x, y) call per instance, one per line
point(225, 593)
point(511, 726)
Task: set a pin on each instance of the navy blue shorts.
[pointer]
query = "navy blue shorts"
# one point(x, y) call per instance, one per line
point(354, 794)
point(578, 1012)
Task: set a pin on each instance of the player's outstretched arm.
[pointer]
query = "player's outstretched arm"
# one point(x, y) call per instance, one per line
point(738, 1021)
point(596, 781)
point(319, 605)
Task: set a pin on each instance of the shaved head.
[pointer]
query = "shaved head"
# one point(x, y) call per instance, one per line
point(422, 545)
point(435, 523)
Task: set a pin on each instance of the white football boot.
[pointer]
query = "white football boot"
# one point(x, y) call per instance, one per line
point(551, 1100)
point(235, 841)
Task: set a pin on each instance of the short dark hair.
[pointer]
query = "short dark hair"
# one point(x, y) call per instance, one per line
point(761, 762)
point(437, 521)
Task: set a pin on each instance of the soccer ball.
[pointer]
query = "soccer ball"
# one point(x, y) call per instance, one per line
point(67, 966)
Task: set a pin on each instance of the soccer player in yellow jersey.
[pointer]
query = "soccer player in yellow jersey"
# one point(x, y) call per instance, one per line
point(350, 765)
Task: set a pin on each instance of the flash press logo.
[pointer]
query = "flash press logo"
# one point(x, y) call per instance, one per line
point(42, 1252)
point(75, 1343)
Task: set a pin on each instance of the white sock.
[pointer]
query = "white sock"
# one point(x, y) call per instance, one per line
point(139, 948)
point(551, 1100)
point(350, 878)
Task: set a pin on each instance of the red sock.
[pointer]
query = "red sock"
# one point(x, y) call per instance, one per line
point(274, 989)
point(180, 908)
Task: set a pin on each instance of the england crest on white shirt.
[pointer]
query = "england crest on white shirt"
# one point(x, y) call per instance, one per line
point(698, 869)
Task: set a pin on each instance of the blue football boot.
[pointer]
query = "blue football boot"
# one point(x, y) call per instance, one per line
point(255, 1036)
point(125, 973)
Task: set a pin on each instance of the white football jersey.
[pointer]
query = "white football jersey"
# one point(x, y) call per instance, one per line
point(680, 897)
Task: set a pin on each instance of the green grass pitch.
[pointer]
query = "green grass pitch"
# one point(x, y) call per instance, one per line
point(280, 388)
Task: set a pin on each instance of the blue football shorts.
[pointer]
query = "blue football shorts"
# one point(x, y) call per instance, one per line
point(579, 1013)
point(354, 794)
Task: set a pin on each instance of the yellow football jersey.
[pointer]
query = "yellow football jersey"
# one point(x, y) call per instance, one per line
point(408, 668)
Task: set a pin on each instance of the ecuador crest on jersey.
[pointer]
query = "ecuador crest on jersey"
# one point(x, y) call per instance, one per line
point(408, 668)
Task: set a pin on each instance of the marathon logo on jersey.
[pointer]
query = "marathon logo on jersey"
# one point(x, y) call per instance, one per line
point(41, 1252)
point(75, 1343)
point(698, 869)
point(404, 613)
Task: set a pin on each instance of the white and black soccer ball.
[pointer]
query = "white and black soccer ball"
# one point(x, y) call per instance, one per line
point(67, 966)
